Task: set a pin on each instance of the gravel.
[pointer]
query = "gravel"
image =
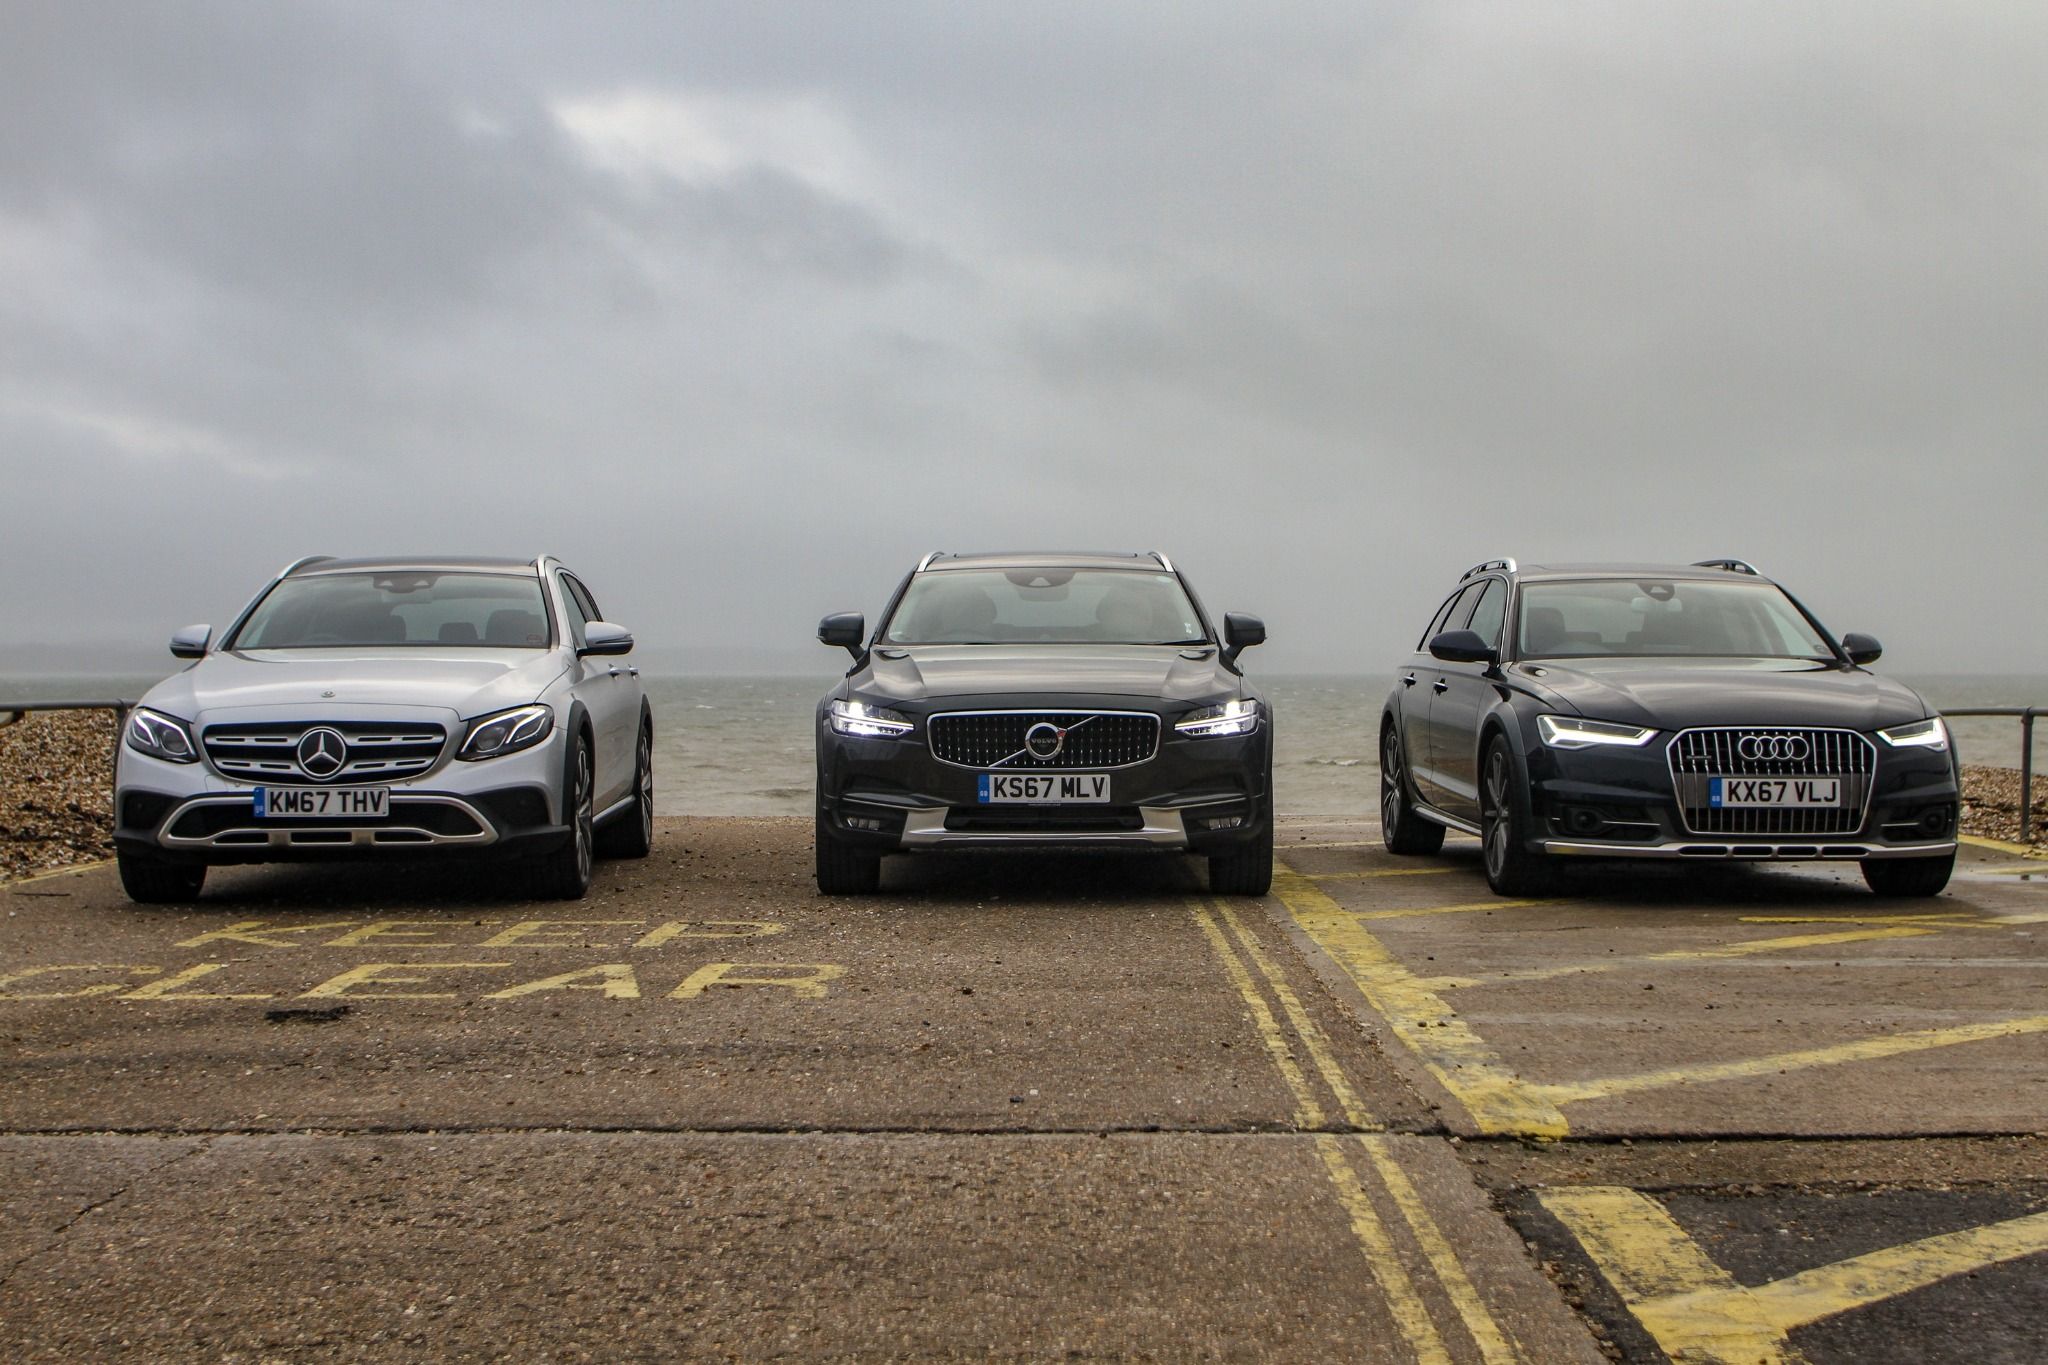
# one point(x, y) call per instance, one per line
point(56, 791)
point(57, 778)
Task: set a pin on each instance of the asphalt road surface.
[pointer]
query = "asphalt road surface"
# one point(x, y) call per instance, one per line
point(1026, 1109)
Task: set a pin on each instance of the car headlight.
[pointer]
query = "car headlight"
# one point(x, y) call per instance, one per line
point(507, 732)
point(1931, 733)
point(862, 721)
point(160, 736)
point(1239, 717)
point(1570, 732)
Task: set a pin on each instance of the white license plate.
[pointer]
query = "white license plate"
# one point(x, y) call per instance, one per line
point(1045, 788)
point(1723, 792)
point(277, 803)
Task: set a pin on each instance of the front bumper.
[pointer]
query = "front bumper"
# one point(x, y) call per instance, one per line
point(1623, 803)
point(190, 813)
point(1194, 795)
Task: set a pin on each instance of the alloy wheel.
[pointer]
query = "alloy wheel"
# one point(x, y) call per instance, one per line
point(1493, 815)
point(1392, 783)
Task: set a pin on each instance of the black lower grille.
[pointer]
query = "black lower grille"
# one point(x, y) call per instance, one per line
point(1044, 820)
point(1700, 756)
point(1067, 739)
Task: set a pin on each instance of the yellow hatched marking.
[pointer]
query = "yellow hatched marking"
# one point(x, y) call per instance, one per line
point(57, 872)
point(1498, 1100)
point(1410, 1314)
point(1862, 1050)
point(1494, 1347)
point(1443, 909)
point(1380, 872)
point(1305, 1028)
point(1307, 1112)
point(1789, 943)
point(1696, 1310)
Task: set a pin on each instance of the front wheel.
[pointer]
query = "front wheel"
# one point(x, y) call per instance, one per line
point(149, 882)
point(565, 873)
point(844, 870)
point(1908, 877)
point(631, 835)
point(1401, 829)
point(1511, 869)
point(1246, 870)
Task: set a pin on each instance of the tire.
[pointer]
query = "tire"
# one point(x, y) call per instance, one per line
point(844, 870)
point(1246, 870)
point(148, 882)
point(1402, 831)
point(565, 873)
point(1908, 877)
point(631, 834)
point(1511, 869)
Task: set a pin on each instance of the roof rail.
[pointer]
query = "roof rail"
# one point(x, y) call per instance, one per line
point(1505, 565)
point(298, 564)
point(1164, 562)
point(1731, 565)
point(926, 562)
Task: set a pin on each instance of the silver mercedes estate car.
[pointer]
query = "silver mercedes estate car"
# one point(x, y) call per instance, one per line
point(378, 707)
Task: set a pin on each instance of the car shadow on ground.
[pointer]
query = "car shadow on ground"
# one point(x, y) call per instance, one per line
point(1710, 883)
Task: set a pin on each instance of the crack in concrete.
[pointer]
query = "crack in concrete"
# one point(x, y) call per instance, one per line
point(58, 1234)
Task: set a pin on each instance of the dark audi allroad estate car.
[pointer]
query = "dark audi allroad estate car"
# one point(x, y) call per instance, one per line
point(1044, 701)
point(1659, 711)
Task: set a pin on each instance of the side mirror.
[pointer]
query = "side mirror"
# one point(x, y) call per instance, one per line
point(1463, 647)
point(602, 637)
point(191, 642)
point(1241, 632)
point(848, 630)
point(1861, 649)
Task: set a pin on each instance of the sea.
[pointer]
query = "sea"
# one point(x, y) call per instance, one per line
point(742, 745)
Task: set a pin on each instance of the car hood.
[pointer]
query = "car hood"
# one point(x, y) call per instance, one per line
point(469, 682)
point(1160, 672)
point(1673, 694)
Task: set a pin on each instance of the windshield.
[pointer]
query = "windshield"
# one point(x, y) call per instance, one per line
point(330, 611)
point(1654, 618)
point(1045, 606)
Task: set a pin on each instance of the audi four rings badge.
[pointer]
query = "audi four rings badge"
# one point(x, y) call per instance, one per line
point(1773, 748)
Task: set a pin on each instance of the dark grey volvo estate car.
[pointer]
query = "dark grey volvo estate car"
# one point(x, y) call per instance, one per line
point(1044, 701)
point(1659, 711)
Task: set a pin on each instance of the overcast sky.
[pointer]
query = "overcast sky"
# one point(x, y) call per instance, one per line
point(740, 308)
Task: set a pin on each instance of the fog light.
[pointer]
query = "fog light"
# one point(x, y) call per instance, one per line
point(1226, 822)
point(866, 822)
point(1582, 820)
point(1935, 821)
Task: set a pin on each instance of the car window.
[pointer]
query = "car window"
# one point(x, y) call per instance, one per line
point(1490, 610)
point(1651, 618)
point(579, 615)
point(584, 601)
point(1045, 606)
point(1436, 622)
point(407, 607)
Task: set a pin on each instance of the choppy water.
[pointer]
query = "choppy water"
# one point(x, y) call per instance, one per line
point(742, 746)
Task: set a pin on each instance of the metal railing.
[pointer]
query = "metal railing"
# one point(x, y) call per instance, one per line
point(2026, 716)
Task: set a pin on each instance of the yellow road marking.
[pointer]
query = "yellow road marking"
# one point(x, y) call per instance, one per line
point(57, 872)
point(1380, 872)
point(1307, 1112)
point(2002, 846)
point(1411, 1315)
point(1498, 1100)
point(1862, 1050)
point(1305, 1028)
point(1486, 1333)
point(1239, 945)
point(1754, 946)
point(1495, 904)
point(1697, 1311)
